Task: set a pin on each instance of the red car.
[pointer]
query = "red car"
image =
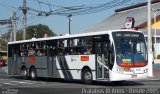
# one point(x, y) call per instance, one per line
point(2, 63)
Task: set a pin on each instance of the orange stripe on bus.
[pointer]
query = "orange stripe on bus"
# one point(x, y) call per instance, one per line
point(135, 64)
point(84, 58)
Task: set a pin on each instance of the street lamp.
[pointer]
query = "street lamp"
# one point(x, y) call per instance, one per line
point(150, 53)
point(69, 22)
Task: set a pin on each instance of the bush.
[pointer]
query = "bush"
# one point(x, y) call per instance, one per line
point(158, 56)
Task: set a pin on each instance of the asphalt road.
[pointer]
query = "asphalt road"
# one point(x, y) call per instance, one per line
point(15, 85)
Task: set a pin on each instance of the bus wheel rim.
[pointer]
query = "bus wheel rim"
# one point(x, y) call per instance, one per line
point(33, 74)
point(87, 76)
point(24, 72)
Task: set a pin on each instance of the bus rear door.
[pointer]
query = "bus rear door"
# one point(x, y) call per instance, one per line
point(51, 59)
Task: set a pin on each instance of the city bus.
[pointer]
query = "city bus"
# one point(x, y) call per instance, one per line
point(115, 55)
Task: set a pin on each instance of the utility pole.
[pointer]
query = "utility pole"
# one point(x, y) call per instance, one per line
point(11, 30)
point(150, 52)
point(14, 25)
point(69, 23)
point(24, 10)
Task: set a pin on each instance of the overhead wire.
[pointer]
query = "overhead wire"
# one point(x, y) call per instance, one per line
point(80, 10)
point(7, 7)
point(65, 11)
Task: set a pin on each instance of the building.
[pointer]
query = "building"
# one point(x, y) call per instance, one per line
point(139, 13)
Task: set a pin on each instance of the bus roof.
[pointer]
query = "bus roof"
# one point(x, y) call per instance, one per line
point(71, 36)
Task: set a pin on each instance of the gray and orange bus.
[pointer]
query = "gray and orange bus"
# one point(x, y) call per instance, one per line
point(114, 55)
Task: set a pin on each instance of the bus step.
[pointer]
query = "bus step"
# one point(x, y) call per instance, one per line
point(102, 79)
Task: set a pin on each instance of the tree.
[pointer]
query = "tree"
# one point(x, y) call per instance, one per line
point(38, 31)
point(3, 41)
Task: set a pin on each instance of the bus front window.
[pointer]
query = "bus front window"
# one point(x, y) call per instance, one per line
point(130, 49)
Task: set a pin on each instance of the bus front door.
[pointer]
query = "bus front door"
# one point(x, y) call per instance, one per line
point(101, 51)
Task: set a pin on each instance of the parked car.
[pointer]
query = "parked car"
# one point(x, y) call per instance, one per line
point(3, 58)
point(2, 63)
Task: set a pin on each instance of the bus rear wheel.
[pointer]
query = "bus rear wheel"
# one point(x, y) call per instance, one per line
point(87, 76)
point(24, 73)
point(33, 73)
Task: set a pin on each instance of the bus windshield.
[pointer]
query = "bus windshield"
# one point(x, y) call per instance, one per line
point(131, 50)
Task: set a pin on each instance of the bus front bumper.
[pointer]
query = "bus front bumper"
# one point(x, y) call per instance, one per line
point(114, 76)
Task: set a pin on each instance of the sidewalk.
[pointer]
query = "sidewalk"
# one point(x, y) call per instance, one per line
point(156, 72)
point(3, 69)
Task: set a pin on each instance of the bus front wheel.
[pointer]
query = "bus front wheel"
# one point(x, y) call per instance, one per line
point(24, 73)
point(87, 76)
point(33, 73)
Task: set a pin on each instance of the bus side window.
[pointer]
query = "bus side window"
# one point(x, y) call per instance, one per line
point(23, 50)
point(51, 47)
point(88, 51)
point(67, 51)
point(60, 47)
point(79, 42)
point(51, 50)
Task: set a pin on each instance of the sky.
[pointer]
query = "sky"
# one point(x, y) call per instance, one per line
point(58, 24)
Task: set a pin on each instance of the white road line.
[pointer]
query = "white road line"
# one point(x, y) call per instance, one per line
point(9, 84)
point(20, 82)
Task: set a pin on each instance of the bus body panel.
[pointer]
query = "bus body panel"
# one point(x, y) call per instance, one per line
point(122, 77)
point(70, 67)
point(11, 67)
point(40, 63)
point(133, 74)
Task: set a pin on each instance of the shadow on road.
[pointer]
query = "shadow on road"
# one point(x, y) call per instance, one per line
point(113, 84)
point(119, 83)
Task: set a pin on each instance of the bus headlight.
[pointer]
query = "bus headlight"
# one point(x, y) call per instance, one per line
point(120, 70)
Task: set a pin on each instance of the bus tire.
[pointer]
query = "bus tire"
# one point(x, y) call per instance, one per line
point(33, 73)
point(87, 76)
point(24, 73)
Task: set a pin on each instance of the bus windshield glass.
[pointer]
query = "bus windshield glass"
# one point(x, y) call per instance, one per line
point(131, 50)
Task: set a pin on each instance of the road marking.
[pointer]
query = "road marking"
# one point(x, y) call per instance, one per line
point(20, 82)
point(9, 84)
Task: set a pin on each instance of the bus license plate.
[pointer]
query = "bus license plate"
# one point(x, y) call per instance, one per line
point(133, 76)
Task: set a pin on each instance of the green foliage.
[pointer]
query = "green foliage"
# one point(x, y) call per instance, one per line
point(3, 41)
point(39, 30)
point(158, 56)
point(3, 45)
